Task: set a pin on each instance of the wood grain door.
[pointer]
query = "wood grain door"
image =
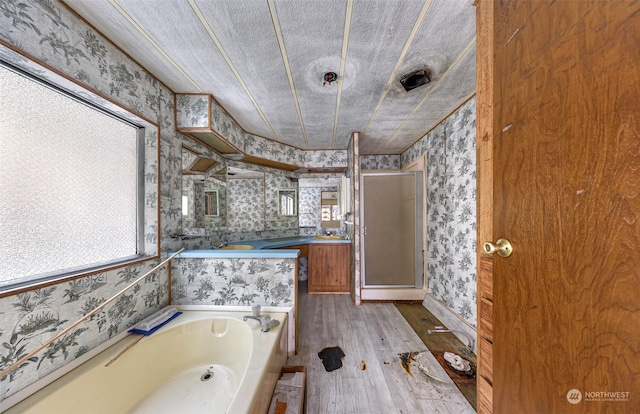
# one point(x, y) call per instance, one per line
point(564, 132)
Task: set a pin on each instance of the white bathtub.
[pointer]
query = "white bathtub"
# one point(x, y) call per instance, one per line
point(163, 372)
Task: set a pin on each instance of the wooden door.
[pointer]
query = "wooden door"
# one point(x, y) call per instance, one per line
point(559, 133)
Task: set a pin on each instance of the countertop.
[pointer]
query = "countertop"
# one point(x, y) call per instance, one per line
point(262, 248)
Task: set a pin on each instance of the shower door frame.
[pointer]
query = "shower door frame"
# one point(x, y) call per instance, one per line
point(419, 272)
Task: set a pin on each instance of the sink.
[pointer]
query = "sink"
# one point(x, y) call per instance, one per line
point(237, 247)
point(331, 237)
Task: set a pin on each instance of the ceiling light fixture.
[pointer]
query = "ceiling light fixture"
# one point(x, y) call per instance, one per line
point(414, 79)
point(330, 77)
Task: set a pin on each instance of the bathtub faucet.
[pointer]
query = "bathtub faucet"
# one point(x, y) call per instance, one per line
point(265, 320)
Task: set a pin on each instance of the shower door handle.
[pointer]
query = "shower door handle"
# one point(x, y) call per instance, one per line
point(364, 230)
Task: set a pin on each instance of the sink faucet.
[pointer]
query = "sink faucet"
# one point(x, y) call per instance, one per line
point(266, 322)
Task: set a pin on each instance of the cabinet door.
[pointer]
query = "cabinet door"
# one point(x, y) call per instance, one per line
point(329, 268)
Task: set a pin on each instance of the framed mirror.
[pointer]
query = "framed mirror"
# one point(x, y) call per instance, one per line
point(287, 202)
point(204, 193)
point(330, 209)
point(211, 203)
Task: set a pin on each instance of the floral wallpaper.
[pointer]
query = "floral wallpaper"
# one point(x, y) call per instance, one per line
point(192, 111)
point(380, 162)
point(451, 210)
point(45, 31)
point(273, 183)
point(30, 318)
point(244, 282)
point(246, 204)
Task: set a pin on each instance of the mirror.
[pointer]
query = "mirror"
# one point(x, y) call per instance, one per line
point(287, 202)
point(246, 200)
point(211, 203)
point(330, 209)
point(203, 203)
point(311, 189)
point(204, 190)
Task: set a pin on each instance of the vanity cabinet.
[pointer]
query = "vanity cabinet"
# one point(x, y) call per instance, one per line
point(329, 268)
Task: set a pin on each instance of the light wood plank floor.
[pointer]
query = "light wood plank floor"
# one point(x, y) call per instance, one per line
point(375, 333)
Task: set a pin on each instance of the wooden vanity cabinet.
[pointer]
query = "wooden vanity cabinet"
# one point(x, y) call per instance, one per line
point(329, 268)
point(304, 249)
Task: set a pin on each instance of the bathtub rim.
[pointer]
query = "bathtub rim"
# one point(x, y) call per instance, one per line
point(284, 314)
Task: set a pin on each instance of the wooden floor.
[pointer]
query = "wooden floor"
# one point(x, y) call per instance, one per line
point(372, 379)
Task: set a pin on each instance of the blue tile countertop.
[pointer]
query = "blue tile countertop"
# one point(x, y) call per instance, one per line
point(262, 248)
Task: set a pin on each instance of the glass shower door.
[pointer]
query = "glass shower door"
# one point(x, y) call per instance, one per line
point(392, 235)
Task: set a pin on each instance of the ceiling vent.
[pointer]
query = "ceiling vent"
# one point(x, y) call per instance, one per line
point(414, 79)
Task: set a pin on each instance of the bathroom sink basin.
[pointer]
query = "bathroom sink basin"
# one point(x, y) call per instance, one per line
point(237, 247)
point(331, 237)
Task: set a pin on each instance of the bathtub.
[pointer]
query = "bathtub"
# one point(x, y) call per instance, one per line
point(202, 361)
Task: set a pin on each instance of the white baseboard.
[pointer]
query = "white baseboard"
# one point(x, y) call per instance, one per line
point(392, 294)
point(451, 320)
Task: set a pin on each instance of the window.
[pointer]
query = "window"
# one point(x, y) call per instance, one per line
point(71, 183)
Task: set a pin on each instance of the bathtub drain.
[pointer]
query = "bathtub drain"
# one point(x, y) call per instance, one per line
point(207, 375)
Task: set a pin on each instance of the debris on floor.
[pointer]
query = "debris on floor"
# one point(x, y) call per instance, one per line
point(331, 358)
point(455, 374)
point(363, 365)
point(421, 361)
point(458, 363)
point(405, 359)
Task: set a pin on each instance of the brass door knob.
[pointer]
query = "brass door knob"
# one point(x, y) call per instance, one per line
point(502, 247)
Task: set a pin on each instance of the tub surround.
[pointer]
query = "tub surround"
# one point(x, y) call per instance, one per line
point(199, 340)
point(266, 275)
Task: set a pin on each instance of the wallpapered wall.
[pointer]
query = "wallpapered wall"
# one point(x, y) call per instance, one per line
point(380, 162)
point(268, 282)
point(451, 210)
point(195, 111)
point(246, 204)
point(50, 33)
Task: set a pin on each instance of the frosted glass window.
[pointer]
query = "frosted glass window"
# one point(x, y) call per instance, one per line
point(68, 183)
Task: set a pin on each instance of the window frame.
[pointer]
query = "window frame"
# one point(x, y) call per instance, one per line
point(73, 89)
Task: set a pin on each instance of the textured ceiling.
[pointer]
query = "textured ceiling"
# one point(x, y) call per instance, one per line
point(264, 61)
